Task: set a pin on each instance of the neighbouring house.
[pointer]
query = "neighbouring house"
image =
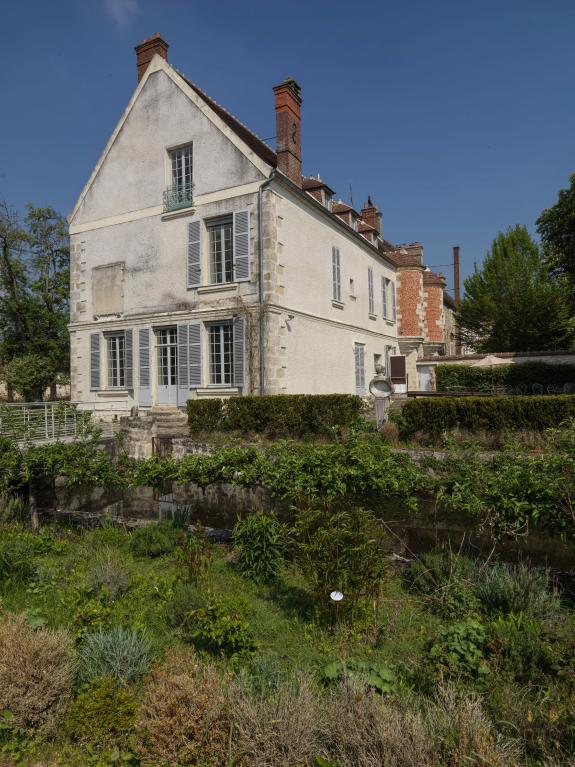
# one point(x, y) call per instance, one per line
point(206, 264)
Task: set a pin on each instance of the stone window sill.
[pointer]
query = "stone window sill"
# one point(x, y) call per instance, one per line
point(373, 316)
point(224, 287)
point(337, 304)
point(352, 297)
point(391, 323)
point(113, 393)
point(178, 213)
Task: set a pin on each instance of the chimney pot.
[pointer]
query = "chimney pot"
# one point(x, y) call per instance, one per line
point(146, 51)
point(288, 128)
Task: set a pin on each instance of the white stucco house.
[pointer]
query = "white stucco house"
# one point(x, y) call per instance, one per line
point(204, 264)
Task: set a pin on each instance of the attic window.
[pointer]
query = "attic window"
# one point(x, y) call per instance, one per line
point(326, 198)
point(179, 193)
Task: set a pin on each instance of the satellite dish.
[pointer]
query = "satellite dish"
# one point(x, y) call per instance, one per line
point(336, 596)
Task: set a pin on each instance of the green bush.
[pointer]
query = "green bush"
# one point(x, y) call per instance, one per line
point(155, 540)
point(361, 673)
point(280, 415)
point(103, 714)
point(221, 629)
point(524, 374)
point(517, 589)
point(460, 649)
point(448, 579)
point(108, 573)
point(205, 415)
point(119, 653)
point(29, 375)
point(185, 600)
point(518, 649)
point(258, 539)
point(16, 560)
point(434, 416)
point(340, 551)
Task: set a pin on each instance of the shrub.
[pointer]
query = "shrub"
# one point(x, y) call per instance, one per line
point(184, 715)
point(155, 540)
point(205, 415)
point(517, 646)
point(447, 578)
point(16, 560)
point(340, 551)
point(459, 649)
point(279, 415)
point(278, 729)
point(104, 714)
point(185, 600)
point(108, 573)
point(119, 653)
point(194, 553)
point(36, 673)
point(434, 416)
point(258, 539)
point(524, 374)
point(517, 589)
point(220, 628)
point(361, 674)
point(12, 508)
point(365, 730)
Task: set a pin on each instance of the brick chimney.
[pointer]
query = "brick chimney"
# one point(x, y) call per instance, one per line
point(288, 128)
point(146, 49)
point(371, 214)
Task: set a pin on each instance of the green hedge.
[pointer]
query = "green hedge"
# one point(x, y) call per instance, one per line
point(470, 378)
point(433, 416)
point(280, 415)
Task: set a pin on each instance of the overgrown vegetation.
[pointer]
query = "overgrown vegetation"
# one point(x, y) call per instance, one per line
point(454, 661)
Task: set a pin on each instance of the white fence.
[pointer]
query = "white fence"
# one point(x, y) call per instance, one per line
point(42, 421)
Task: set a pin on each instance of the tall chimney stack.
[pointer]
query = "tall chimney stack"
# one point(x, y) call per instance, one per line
point(146, 50)
point(288, 128)
point(371, 214)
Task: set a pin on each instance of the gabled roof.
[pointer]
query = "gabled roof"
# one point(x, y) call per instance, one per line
point(249, 137)
point(311, 182)
point(430, 278)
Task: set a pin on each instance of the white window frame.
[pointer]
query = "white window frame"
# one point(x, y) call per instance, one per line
point(116, 360)
point(181, 165)
point(336, 274)
point(217, 367)
point(385, 283)
point(370, 296)
point(226, 259)
point(359, 362)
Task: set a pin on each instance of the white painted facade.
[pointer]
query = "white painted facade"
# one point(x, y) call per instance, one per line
point(131, 270)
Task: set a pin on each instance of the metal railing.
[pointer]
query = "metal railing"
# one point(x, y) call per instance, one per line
point(42, 421)
point(178, 196)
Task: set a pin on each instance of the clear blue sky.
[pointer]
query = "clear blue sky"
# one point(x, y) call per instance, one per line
point(457, 117)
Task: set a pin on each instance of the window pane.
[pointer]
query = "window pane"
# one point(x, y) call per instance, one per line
point(221, 354)
point(116, 360)
point(221, 252)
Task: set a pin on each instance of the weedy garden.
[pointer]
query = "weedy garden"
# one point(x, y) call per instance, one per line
point(156, 646)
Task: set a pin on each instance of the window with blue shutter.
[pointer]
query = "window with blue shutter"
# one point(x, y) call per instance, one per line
point(336, 274)
point(144, 386)
point(94, 361)
point(384, 289)
point(194, 254)
point(129, 358)
point(189, 359)
point(239, 325)
point(370, 290)
point(393, 304)
point(359, 358)
point(242, 245)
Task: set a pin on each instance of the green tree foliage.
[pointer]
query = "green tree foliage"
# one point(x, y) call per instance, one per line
point(514, 303)
point(29, 375)
point(34, 287)
point(556, 227)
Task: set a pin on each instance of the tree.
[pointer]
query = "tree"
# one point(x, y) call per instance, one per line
point(29, 375)
point(34, 287)
point(556, 227)
point(514, 303)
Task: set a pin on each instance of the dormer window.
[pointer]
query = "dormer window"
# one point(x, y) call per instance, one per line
point(326, 198)
point(179, 193)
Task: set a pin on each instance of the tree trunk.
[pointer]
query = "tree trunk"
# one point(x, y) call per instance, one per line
point(33, 506)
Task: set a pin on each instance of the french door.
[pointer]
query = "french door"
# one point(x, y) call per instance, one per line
point(167, 365)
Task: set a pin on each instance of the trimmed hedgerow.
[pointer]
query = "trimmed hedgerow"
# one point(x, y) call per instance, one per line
point(524, 374)
point(280, 415)
point(433, 416)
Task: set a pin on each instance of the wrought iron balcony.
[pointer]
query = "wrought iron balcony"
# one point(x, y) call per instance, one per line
point(178, 196)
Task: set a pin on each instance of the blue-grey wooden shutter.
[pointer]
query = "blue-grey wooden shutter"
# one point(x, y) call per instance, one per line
point(183, 365)
point(194, 254)
point(128, 359)
point(336, 273)
point(393, 304)
point(239, 355)
point(94, 361)
point(145, 389)
point(241, 245)
point(384, 284)
point(370, 290)
point(359, 355)
point(195, 354)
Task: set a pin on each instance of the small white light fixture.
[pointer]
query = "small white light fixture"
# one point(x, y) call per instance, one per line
point(336, 596)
